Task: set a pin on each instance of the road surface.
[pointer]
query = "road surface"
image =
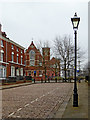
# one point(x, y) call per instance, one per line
point(34, 101)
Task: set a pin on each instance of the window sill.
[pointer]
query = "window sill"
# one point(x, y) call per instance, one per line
point(2, 46)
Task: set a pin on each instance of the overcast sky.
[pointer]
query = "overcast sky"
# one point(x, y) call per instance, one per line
point(23, 21)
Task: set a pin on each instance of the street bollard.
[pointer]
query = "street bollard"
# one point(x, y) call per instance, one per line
point(63, 79)
point(45, 81)
point(79, 80)
point(70, 80)
point(34, 80)
point(48, 80)
point(56, 80)
point(41, 80)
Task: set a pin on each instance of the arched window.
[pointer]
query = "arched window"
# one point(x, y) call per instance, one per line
point(32, 58)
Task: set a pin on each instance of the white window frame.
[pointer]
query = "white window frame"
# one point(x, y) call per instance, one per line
point(40, 73)
point(17, 72)
point(17, 50)
point(40, 63)
point(21, 52)
point(32, 62)
point(12, 57)
point(2, 71)
point(21, 71)
point(12, 46)
point(2, 56)
point(17, 58)
point(2, 43)
point(12, 71)
point(21, 59)
point(32, 57)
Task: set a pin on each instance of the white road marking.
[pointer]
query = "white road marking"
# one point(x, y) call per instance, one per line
point(32, 102)
point(18, 116)
point(47, 93)
point(36, 99)
point(19, 109)
point(11, 114)
point(40, 96)
point(26, 105)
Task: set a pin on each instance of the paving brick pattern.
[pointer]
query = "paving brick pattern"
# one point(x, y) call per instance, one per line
point(34, 101)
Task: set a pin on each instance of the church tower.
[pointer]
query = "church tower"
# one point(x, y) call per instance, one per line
point(46, 53)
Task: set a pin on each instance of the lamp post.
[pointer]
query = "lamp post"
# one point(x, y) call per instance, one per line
point(65, 65)
point(75, 21)
point(65, 69)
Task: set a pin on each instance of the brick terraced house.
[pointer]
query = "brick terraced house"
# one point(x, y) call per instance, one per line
point(15, 61)
point(11, 57)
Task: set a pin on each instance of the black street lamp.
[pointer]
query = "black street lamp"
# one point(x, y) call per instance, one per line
point(65, 70)
point(65, 66)
point(75, 21)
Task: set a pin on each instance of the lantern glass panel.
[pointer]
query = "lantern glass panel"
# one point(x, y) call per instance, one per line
point(75, 24)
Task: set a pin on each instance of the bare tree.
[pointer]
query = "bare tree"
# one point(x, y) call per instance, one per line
point(64, 49)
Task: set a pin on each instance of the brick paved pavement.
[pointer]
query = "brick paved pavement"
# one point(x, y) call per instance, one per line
point(34, 101)
point(76, 112)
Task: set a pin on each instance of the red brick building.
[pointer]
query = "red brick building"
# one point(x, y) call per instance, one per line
point(11, 57)
point(15, 62)
point(38, 66)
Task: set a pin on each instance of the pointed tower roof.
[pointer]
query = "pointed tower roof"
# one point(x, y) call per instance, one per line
point(31, 46)
point(32, 43)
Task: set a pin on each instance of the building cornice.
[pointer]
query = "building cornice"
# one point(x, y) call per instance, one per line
point(8, 40)
point(16, 63)
point(3, 62)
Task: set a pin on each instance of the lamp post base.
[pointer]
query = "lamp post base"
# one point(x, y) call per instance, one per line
point(75, 100)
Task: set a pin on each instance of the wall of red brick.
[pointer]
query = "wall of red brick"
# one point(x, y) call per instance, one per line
point(26, 58)
point(7, 56)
